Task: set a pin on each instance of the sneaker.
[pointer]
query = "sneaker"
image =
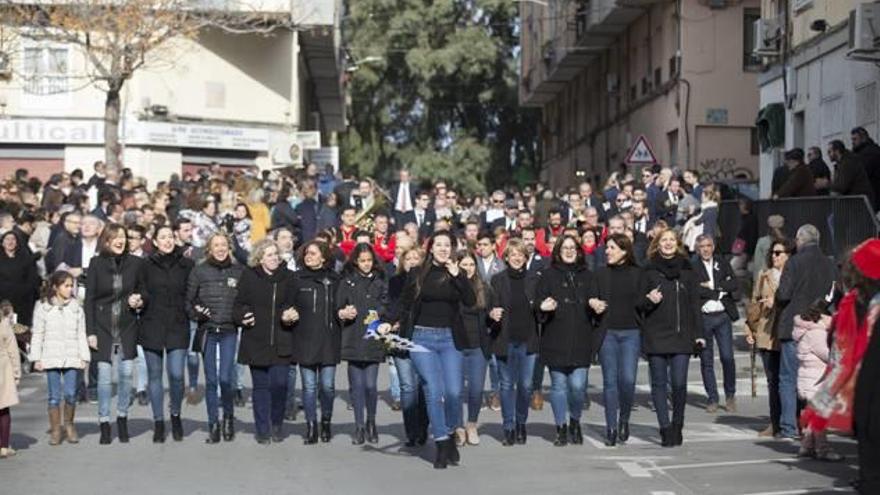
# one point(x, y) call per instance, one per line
point(730, 405)
point(712, 408)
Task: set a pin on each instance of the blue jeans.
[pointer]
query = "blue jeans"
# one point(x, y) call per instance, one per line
point(666, 369)
point(311, 375)
point(54, 378)
point(770, 359)
point(567, 387)
point(788, 371)
point(619, 357)
point(364, 393)
point(412, 399)
point(393, 381)
point(474, 374)
point(141, 373)
point(192, 359)
point(105, 387)
point(174, 365)
point(269, 397)
point(440, 369)
point(494, 378)
point(717, 327)
point(291, 386)
point(515, 370)
point(219, 346)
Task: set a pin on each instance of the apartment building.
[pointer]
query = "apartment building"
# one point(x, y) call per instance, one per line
point(679, 72)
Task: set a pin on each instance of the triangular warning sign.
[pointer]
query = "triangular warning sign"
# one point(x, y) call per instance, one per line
point(641, 152)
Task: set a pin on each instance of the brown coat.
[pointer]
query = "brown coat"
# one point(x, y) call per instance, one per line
point(762, 329)
point(10, 366)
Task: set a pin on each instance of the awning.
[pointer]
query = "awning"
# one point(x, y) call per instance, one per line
point(771, 126)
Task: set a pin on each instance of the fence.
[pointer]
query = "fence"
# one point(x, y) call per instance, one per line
point(843, 221)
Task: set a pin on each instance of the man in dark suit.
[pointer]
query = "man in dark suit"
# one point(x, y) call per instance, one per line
point(535, 262)
point(422, 215)
point(508, 221)
point(800, 180)
point(403, 195)
point(717, 289)
point(666, 202)
point(488, 264)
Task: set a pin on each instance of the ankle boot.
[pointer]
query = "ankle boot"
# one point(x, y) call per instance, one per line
point(325, 430)
point(359, 436)
point(311, 433)
point(372, 433)
point(122, 426)
point(574, 430)
point(610, 438)
point(521, 434)
point(159, 432)
point(228, 428)
point(55, 434)
point(677, 438)
point(278, 433)
point(106, 436)
point(69, 427)
point(509, 438)
point(666, 437)
point(623, 432)
point(561, 436)
point(441, 457)
point(452, 455)
point(176, 428)
point(213, 433)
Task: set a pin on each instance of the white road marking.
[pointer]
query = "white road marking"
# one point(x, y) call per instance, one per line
point(634, 469)
point(806, 491)
point(26, 391)
point(785, 460)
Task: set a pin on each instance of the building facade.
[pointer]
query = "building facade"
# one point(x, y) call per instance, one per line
point(234, 99)
point(679, 72)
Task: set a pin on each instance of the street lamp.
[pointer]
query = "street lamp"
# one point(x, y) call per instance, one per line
point(364, 61)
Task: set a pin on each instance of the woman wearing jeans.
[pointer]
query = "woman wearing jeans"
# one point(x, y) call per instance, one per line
point(476, 350)
point(672, 321)
point(317, 340)
point(514, 339)
point(113, 298)
point(210, 294)
point(613, 298)
point(430, 314)
point(164, 328)
point(567, 337)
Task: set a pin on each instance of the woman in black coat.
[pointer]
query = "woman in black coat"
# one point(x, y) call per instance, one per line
point(19, 281)
point(672, 323)
point(113, 299)
point(567, 345)
point(266, 340)
point(361, 292)
point(513, 339)
point(164, 327)
point(317, 340)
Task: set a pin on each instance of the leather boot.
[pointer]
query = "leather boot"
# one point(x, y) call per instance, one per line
point(666, 437)
point(311, 433)
point(452, 455)
point(122, 427)
point(677, 438)
point(228, 428)
point(106, 436)
point(278, 433)
point(623, 431)
point(69, 427)
point(372, 433)
point(509, 438)
point(574, 429)
point(359, 436)
point(521, 434)
point(561, 436)
point(176, 428)
point(441, 457)
point(159, 432)
point(610, 438)
point(325, 430)
point(55, 433)
point(213, 433)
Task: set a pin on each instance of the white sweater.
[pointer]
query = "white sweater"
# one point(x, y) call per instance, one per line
point(59, 335)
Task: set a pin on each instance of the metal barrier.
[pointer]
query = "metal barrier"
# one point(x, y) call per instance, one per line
point(843, 221)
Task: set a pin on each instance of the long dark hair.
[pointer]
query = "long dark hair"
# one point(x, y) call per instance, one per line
point(323, 247)
point(428, 262)
point(480, 289)
point(17, 244)
point(47, 292)
point(351, 267)
point(626, 245)
point(108, 234)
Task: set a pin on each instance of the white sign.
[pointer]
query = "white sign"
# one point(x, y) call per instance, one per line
point(26, 131)
point(323, 156)
point(308, 140)
point(641, 153)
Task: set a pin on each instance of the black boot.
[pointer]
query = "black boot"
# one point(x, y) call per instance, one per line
point(213, 433)
point(623, 432)
point(677, 438)
point(325, 430)
point(122, 426)
point(574, 429)
point(521, 434)
point(359, 436)
point(509, 438)
point(311, 433)
point(610, 438)
point(228, 428)
point(159, 432)
point(561, 436)
point(372, 432)
point(106, 436)
point(410, 442)
point(176, 428)
point(666, 437)
point(452, 455)
point(441, 458)
point(278, 433)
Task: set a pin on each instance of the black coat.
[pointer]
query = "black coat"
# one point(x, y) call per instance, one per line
point(866, 407)
point(673, 325)
point(364, 293)
point(163, 322)
point(283, 215)
point(20, 283)
point(268, 342)
point(567, 336)
point(869, 155)
point(499, 332)
point(307, 215)
point(851, 179)
point(799, 183)
point(317, 337)
point(108, 315)
point(806, 277)
point(725, 281)
point(214, 286)
point(601, 288)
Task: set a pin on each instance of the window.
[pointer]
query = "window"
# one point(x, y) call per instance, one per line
point(45, 70)
point(754, 144)
point(646, 86)
point(673, 67)
point(658, 77)
point(750, 61)
point(633, 93)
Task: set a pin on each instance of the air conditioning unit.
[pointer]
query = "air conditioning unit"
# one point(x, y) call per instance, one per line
point(864, 33)
point(768, 37)
point(288, 152)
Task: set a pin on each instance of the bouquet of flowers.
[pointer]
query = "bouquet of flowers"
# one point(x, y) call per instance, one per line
point(390, 341)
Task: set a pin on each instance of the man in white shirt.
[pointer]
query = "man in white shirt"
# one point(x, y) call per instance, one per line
point(403, 195)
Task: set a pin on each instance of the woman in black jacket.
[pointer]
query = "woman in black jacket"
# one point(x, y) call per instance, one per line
point(614, 299)
point(210, 293)
point(362, 293)
point(19, 281)
point(164, 328)
point(475, 353)
point(266, 343)
point(514, 339)
point(316, 335)
point(670, 305)
point(567, 345)
point(113, 299)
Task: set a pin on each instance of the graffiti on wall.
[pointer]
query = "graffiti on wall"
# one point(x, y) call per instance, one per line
point(724, 169)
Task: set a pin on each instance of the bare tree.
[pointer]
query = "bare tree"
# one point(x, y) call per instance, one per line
point(119, 37)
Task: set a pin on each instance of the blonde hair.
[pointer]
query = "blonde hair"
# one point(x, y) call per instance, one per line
point(210, 240)
point(515, 245)
point(654, 248)
point(259, 250)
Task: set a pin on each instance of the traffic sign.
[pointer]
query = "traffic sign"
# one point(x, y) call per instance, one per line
point(641, 153)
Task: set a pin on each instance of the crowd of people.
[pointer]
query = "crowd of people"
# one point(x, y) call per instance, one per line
point(290, 274)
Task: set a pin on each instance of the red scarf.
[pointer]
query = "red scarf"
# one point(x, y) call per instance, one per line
point(347, 241)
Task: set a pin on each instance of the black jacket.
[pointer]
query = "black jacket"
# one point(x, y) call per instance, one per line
point(851, 179)
point(725, 282)
point(807, 276)
point(20, 283)
point(268, 342)
point(673, 325)
point(567, 336)
point(108, 315)
point(283, 215)
point(213, 285)
point(364, 293)
point(317, 337)
point(499, 332)
point(164, 323)
point(601, 288)
point(869, 155)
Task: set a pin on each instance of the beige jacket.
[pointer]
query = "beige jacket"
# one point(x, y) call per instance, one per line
point(763, 330)
point(10, 365)
point(59, 335)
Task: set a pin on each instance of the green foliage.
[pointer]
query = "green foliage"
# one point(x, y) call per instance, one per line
point(437, 92)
